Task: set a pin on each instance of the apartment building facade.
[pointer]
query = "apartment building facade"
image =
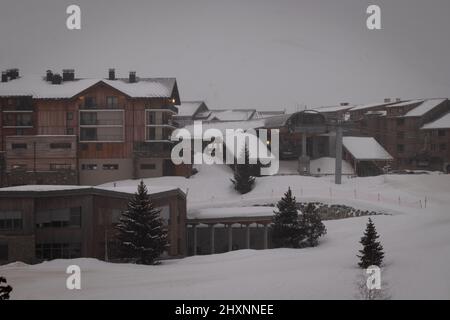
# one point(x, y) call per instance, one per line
point(42, 222)
point(400, 127)
point(86, 131)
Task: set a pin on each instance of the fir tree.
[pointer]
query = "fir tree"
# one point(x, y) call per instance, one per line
point(372, 253)
point(286, 230)
point(141, 234)
point(243, 180)
point(5, 290)
point(312, 226)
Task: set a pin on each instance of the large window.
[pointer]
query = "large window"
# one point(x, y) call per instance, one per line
point(60, 145)
point(49, 251)
point(11, 220)
point(59, 218)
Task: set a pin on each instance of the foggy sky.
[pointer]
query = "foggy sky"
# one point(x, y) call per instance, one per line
point(242, 53)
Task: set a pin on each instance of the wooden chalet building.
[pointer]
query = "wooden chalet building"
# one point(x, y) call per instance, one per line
point(59, 129)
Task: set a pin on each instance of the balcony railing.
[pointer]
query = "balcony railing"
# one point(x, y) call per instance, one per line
point(101, 107)
point(101, 122)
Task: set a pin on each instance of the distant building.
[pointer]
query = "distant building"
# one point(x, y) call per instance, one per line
point(66, 130)
point(50, 222)
point(401, 128)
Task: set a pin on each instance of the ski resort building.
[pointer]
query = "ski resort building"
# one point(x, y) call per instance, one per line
point(59, 129)
point(44, 222)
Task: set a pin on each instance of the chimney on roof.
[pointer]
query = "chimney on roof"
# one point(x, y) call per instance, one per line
point(344, 104)
point(387, 100)
point(68, 75)
point(132, 77)
point(57, 79)
point(112, 74)
point(4, 77)
point(12, 73)
point(49, 76)
point(398, 99)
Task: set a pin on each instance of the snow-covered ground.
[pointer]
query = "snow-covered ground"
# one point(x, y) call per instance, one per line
point(416, 241)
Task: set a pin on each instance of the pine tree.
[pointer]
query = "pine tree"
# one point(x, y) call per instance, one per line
point(243, 180)
point(312, 226)
point(286, 230)
point(141, 234)
point(372, 253)
point(5, 290)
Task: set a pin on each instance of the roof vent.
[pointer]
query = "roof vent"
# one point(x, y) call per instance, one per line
point(57, 79)
point(112, 74)
point(344, 104)
point(68, 75)
point(132, 77)
point(49, 76)
point(4, 77)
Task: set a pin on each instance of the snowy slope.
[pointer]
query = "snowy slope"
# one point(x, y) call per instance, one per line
point(416, 241)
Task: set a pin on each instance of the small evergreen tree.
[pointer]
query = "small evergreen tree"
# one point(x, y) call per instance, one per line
point(5, 290)
point(141, 234)
point(286, 230)
point(372, 252)
point(312, 226)
point(243, 180)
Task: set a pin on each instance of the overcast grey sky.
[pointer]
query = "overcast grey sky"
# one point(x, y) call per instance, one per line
point(242, 53)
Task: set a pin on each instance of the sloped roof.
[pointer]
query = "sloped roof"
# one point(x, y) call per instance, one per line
point(441, 123)
point(188, 108)
point(365, 148)
point(424, 107)
point(232, 114)
point(406, 103)
point(36, 86)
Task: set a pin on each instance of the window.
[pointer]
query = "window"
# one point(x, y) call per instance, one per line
point(84, 147)
point(112, 102)
point(165, 214)
point(69, 116)
point(99, 146)
point(10, 220)
point(400, 122)
point(151, 134)
point(58, 218)
point(3, 251)
point(89, 102)
point(60, 145)
point(400, 135)
point(433, 147)
point(19, 132)
point(18, 146)
point(60, 166)
point(400, 148)
point(49, 251)
point(24, 120)
point(110, 167)
point(148, 166)
point(69, 131)
point(442, 147)
point(88, 167)
point(441, 133)
point(88, 134)
point(151, 117)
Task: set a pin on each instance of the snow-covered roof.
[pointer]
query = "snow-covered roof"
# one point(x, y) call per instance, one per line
point(36, 86)
point(188, 108)
point(53, 188)
point(232, 115)
point(231, 212)
point(365, 148)
point(406, 103)
point(369, 106)
point(424, 107)
point(441, 123)
point(332, 108)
